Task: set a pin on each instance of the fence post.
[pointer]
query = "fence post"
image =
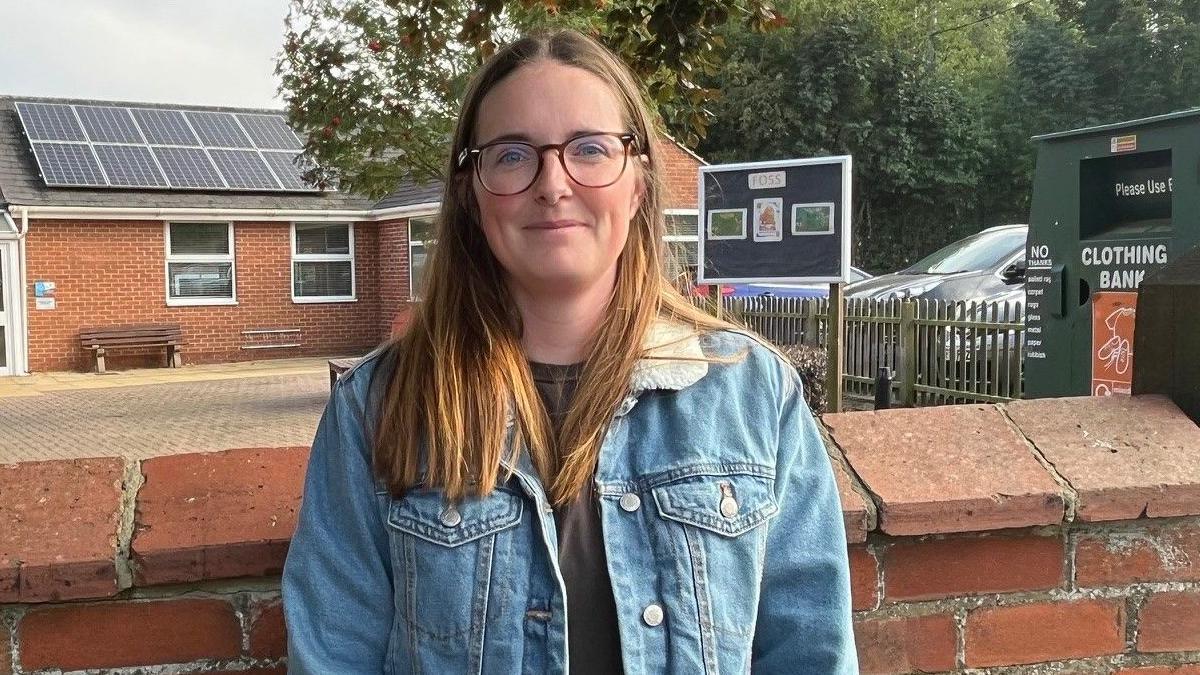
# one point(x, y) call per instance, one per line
point(908, 353)
point(833, 349)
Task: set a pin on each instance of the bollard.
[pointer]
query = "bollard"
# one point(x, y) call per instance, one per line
point(883, 389)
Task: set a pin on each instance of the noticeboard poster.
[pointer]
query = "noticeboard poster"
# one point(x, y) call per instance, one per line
point(779, 221)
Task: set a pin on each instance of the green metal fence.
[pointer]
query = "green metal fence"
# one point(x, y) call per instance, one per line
point(935, 352)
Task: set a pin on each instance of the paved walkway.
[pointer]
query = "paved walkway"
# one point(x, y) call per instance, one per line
point(161, 411)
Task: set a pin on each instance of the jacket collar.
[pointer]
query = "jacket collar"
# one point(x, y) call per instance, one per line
point(673, 360)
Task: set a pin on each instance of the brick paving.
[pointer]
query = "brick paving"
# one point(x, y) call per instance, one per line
point(163, 419)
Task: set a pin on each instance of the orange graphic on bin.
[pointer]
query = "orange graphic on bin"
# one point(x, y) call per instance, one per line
point(1112, 342)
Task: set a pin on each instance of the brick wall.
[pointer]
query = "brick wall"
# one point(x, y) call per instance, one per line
point(1053, 536)
point(680, 172)
point(110, 273)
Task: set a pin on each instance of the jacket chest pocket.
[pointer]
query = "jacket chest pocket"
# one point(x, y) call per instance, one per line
point(720, 520)
point(444, 554)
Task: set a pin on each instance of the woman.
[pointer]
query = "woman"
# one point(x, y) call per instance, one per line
point(561, 463)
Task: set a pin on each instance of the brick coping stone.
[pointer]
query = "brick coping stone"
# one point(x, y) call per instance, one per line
point(90, 528)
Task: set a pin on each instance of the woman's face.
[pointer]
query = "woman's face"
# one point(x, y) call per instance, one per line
point(558, 236)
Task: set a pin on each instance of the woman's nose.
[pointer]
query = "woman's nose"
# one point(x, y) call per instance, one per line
point(552, 183)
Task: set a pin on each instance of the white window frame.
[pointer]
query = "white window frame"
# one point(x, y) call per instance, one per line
point(412, 285)
point(683, 237)
point(230, 258)
point(323, 257)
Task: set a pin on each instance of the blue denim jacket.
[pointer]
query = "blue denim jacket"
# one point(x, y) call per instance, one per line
point(721, 523)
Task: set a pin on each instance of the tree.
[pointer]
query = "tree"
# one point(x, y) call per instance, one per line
point(375, 84)
point(837, 83)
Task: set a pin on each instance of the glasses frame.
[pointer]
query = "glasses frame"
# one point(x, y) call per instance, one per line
point(628, 139)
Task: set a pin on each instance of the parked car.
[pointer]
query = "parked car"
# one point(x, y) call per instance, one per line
point(981, 267)
point(778, 290)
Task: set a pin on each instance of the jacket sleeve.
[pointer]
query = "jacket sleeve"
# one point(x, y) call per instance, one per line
point(804, 623)
point(337, 580)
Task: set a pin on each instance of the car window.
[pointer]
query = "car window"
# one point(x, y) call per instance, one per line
point(978, 252)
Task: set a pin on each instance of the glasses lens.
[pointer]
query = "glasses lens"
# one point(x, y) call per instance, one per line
point(507, 168)
point(595, 161)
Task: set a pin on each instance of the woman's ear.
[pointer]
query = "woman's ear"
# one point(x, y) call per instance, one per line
point(639, 190)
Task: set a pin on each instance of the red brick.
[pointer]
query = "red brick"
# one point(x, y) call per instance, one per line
point(1170, 622)
point(926, 481)
point(1155, 553)
point(217, 515)
point(927, 644)
point(1049, 631)
point(924, 570)
point(864, 578)
point(114, 634)
point(268, 633)
point(75, 504)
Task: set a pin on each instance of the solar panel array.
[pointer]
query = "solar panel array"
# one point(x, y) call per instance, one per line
point(112, 146)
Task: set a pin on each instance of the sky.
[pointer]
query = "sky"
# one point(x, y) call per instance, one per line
point(200, 52)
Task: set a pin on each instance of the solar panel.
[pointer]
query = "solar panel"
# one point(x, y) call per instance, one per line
point(219, 130)
point(68, 164)
point(243, 169)
point(108, 125)
point(50, 122)
point(188, 167)
point(270, 132)
point(290, 168)
point(114, 146)
point(164, 127)
point(129, 166)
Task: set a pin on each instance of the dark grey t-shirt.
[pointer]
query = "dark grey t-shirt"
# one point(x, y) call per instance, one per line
point(593, 641)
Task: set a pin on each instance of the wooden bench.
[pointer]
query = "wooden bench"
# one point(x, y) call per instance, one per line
point(99, 340)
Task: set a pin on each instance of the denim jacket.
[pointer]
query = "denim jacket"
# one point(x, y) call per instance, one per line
point(721, 523)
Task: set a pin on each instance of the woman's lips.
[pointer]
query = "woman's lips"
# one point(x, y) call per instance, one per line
point(554, 225)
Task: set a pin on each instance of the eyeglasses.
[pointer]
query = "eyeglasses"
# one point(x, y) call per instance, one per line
point(507, 168)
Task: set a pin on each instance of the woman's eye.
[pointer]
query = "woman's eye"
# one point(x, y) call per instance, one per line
point(591, 149)
point(511, 156)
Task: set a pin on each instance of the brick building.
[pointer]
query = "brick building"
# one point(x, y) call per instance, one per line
point(115, 214)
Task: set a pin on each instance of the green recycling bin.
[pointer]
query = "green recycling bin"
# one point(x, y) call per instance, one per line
point(1110, 204)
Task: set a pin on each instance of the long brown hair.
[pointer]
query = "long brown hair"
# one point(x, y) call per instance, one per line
point(459, 369)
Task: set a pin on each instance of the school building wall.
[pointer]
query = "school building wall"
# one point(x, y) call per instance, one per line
point(113, 273)
point(1047, 536)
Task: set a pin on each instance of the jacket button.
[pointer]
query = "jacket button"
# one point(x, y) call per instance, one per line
point(451, 517)
point(729, 507)
point(653, 615)
point(630, 502)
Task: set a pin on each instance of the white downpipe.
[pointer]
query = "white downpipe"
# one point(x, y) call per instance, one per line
point(23, 365)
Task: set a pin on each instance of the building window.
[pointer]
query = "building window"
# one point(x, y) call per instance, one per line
point(322, 262)
point(682, 239)
point(420, 247)
point(200, 269)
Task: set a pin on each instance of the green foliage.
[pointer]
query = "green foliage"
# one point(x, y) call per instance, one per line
point(937, 100)
point(376, 84)
point(836, 86)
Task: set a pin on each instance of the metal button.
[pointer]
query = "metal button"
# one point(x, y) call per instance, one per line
point(451, 517)
point(630, 501)
point(729, 507)
point(652, 615)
